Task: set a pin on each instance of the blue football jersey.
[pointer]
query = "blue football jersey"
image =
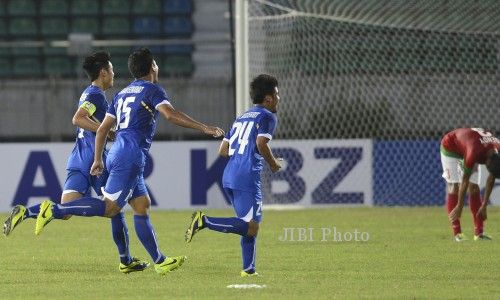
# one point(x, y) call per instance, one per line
point(243, 169)
point(134, 109)
point(94, 102)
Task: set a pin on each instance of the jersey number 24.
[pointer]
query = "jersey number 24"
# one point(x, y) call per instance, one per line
point(240, 135)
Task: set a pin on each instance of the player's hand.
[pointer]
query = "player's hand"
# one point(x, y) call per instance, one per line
point(455, 213)
point(277, 165)
point(97, 168)
point(482, 212)
point(213, 131)
point(111, 135)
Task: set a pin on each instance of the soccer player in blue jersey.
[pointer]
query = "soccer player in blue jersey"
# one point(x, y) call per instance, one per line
point(246, 144)
point(92, 107)
point(134, 113)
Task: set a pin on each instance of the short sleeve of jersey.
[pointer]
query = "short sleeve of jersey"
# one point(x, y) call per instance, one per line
point(159, 96)
point(266, 126)
point(92, 102)
point(111, 110)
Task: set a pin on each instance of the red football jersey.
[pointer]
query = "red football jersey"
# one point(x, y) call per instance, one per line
point(471, 144)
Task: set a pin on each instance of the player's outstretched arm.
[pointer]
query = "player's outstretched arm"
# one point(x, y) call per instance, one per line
point(100, 140)
point(181, 119)
point(265, 151)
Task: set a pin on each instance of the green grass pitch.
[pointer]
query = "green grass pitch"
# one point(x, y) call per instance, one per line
point(409, 254)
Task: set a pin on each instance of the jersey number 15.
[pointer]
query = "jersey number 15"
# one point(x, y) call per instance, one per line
point(124, 110)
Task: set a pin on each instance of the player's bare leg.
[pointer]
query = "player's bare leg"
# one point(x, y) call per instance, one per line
point(451, 202)
point(474, 204)
point(253, 228)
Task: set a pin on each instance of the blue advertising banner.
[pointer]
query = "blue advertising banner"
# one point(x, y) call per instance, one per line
point(407, 173)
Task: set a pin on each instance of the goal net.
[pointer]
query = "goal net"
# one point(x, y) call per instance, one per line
point(398, 73)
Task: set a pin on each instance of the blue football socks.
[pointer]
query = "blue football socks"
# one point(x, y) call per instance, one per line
point(147, 236)
point(85, 206)
point(227, 225)
point(32, 211)
point(248, 252)
point(120, 236)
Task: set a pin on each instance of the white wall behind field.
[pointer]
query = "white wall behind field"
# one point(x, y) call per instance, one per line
point(41, 109)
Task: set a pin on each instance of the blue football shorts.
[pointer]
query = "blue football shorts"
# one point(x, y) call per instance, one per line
point(125, 182)
point(247, 205)
point(81, 182)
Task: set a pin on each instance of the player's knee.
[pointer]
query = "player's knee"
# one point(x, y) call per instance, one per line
point(141, 210)
point(64, 201)
point(68, 197)
point(453, 188)
point(141, 205)
point(473, 189)
point(112, 209)
point(253, 228)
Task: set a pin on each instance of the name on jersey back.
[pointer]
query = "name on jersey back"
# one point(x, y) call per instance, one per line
point(489, 140)
point(251, 115)
point(132, 90)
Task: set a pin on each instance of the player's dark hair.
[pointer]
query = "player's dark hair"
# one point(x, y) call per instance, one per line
point(140, 62)
point(493, 164)
point(93, 64)
point(262, 86)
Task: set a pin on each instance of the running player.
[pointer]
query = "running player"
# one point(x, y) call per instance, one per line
point(247, 145)
point(92, 107)
point(462, 151)
point(134, 114)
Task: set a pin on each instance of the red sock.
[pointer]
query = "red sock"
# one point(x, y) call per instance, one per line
point(475, 204)
point(451, 202)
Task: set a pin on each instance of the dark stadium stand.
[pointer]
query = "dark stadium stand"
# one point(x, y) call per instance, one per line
point(85, 24)
point(48, 20)
point(177, 7)
point(116, 7)
point(85, 8)
point(54, 8)
point(147, 26)
point(21, 8)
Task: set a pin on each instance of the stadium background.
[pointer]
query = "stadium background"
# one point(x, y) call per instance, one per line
point(368, 87)
point(367, 90)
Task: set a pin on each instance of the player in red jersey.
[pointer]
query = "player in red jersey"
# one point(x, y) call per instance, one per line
point(462, 150)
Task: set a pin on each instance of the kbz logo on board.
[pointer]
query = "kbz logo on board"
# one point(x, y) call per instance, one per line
point(325, 175)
